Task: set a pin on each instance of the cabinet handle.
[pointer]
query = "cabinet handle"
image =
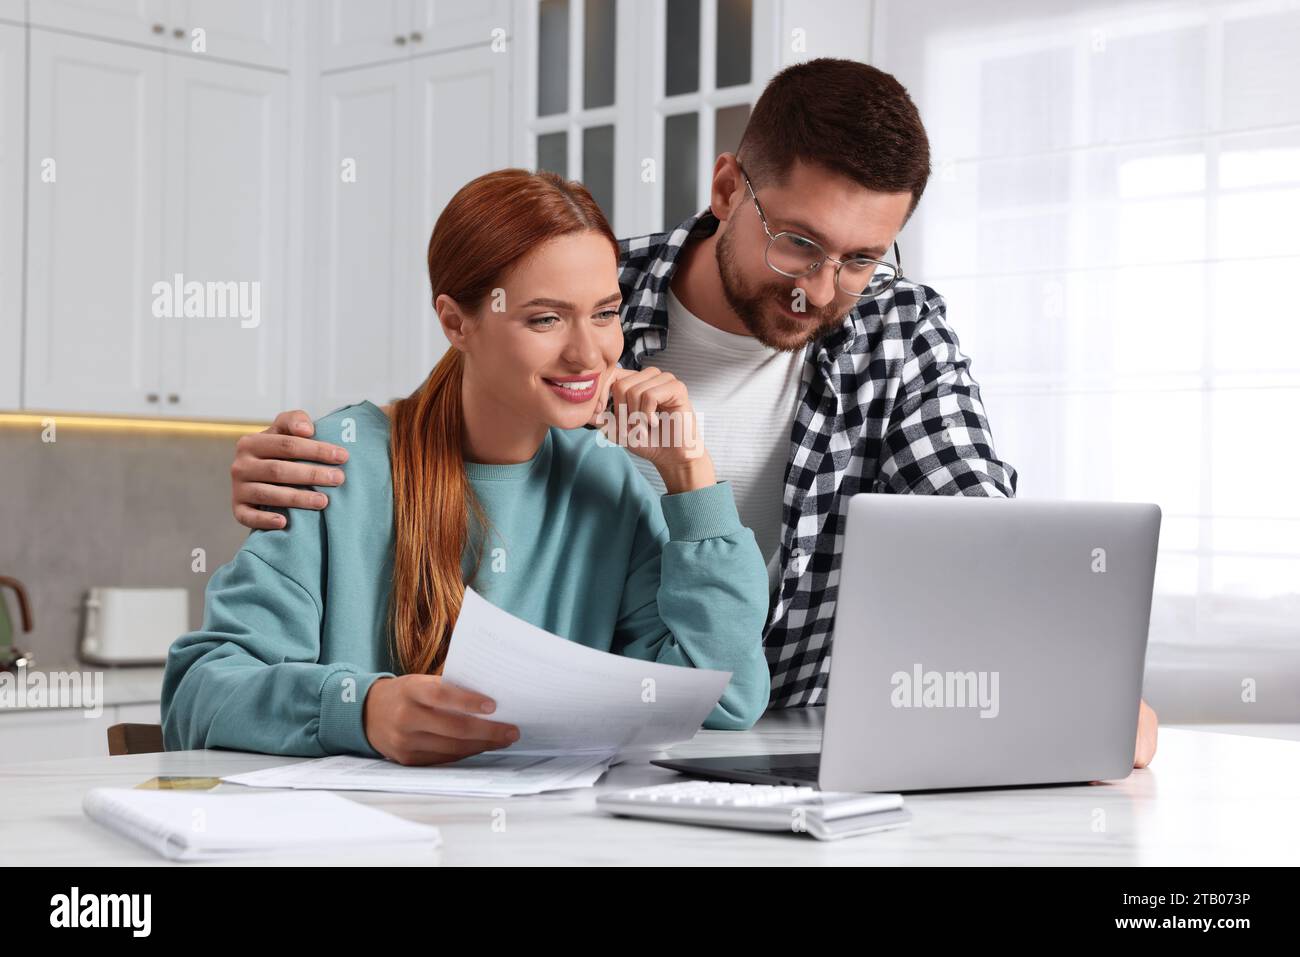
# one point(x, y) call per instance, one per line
point(173, 398)
point(416, 37)
point(400, 41)
point(158, 28)
point(178, 33)
point(151, 397)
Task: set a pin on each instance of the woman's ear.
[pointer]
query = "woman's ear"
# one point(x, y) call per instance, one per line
point(455, 324)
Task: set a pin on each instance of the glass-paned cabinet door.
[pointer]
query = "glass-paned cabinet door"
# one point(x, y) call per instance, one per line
point(711, 60)
point(636, 98)
point(577, 68)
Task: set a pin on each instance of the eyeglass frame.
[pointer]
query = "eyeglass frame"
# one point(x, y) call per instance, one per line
point(896, 266)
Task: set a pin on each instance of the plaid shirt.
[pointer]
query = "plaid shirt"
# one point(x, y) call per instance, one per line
point(888, 405)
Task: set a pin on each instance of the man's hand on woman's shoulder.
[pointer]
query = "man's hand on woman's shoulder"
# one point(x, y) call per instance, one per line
point(266, 470)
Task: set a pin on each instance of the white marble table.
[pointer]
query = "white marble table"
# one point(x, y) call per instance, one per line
point(1207, 799)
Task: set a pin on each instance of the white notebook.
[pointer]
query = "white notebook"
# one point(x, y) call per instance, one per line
point(190, 825)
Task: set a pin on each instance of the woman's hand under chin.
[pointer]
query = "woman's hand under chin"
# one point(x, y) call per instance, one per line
point(652, 417)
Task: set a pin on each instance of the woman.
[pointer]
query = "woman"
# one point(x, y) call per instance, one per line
point(483, 476)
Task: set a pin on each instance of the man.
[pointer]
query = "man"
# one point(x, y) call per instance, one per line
point(816, 370)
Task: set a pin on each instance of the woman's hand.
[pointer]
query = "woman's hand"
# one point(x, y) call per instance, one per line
point(264, 472)
point(422, 719)
point(652, 417)
point(1148, 726)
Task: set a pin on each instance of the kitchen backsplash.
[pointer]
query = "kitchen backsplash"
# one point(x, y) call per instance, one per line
point(98, 507)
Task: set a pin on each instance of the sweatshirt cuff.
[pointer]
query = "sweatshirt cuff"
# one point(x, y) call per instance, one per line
point(342, 712)
point(701, 513)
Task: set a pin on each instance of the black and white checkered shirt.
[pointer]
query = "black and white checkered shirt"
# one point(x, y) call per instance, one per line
point(888, 405)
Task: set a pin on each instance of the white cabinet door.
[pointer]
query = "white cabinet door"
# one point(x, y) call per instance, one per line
point(444, 24)
point(138, 21)
point(245, 31)
point(14, 11)
point(456, 92)
point(365, 257)
point(13, 106)
point(94, 154)
point(47, 734)
point(224, 226)
point(360, 32)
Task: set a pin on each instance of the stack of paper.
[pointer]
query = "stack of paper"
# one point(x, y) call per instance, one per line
point(192, 825)
point(492, 774)
point(577, 709)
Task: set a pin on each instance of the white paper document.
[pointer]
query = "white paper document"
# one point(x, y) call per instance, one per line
point(567, 698)
point(577, 710)
point(491, 774)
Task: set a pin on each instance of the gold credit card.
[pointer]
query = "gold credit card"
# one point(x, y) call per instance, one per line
point(176, 783)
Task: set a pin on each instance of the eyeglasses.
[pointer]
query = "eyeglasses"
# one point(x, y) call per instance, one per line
point(796, 256)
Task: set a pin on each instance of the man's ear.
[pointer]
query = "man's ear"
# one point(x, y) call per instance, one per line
point(455, 324)
point(728, 186)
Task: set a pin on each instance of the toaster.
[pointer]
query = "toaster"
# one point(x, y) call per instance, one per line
point(133, 626)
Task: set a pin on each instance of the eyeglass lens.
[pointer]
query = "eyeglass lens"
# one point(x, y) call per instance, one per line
point(796, 256)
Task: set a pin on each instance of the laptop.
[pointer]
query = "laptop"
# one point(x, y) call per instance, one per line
point(978, 642)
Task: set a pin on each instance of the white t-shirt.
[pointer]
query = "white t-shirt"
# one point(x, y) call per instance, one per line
point(745, 397)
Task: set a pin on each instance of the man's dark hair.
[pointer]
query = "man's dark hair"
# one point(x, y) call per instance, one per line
point(845, 116)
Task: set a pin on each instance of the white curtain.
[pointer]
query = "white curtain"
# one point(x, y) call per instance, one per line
point(1114, 221)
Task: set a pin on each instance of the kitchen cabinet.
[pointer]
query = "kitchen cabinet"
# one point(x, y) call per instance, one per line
point(362, 32)
point(365, 32)
point(244, 31)
point(465, 90)
point(50, 733)
point(225, 218)
point(13, 11)
point(143, 167)
point(136, 21)
point(448, 24)
point(366, 259)
point(13, 108)
point(94, 226)
point(398, 141)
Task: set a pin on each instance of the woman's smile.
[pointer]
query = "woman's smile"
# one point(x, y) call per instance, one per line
point(574, 388)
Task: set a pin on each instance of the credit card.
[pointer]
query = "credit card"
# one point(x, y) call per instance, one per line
point(177, 783)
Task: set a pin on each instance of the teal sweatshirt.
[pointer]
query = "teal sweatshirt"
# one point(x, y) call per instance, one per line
point(295, 633)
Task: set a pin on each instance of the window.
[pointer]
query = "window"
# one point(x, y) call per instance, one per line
point(1112, 221)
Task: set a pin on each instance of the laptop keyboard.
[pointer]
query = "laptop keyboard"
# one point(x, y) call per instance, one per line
point(825, 815)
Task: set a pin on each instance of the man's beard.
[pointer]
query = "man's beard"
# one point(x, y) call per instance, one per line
point(760, 309)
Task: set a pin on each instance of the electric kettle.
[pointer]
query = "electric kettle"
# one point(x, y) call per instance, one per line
point(11, 658)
